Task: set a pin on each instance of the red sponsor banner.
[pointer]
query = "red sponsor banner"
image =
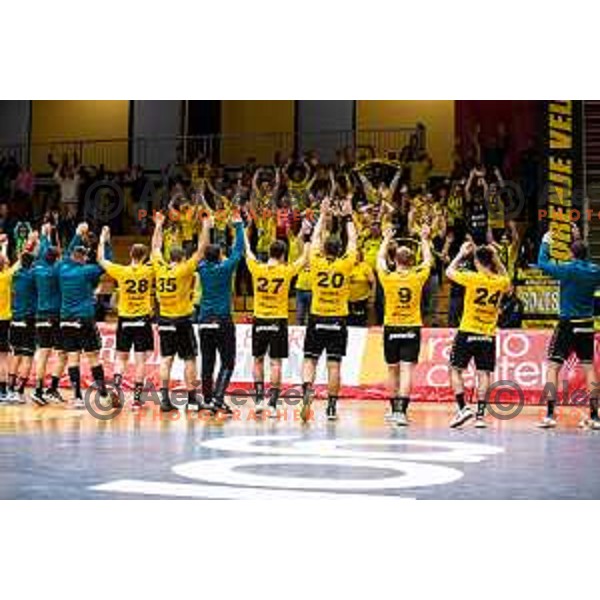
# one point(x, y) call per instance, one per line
point(520, 362)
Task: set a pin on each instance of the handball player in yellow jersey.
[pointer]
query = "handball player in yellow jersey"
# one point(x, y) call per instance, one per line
point(327, 328)
point(403, 289)
point(272, 282)
point(475, 338)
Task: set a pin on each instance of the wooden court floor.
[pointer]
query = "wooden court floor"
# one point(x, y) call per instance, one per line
point(59, 453)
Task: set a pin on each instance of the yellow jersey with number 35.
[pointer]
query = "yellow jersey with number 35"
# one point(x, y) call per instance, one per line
point(330, 279)
point(271, 288)
point(175, 287)
point(403, 291)
point(483, 294)
point(135, 288)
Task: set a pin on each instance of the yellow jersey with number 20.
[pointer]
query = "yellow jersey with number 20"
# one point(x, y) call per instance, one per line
point(330, 280)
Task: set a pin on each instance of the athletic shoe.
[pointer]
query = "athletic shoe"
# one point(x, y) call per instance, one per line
point(38, 398)
point(462, 416)
point(331, 410)
point(480, 423)
point(166, 406)
point(12, 397)
point(115, 399)
point(78, 403)
point(137, 405)
point(547, 423)
point(193, 405)
point(401, 419)
point(206, 405)
point(53, 396)
point(222, 407)
point(593, 423)
point(305, 410)
point(391, 417)
point(20, 398)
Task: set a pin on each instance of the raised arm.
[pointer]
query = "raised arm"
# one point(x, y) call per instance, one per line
point(249, 254)
point(426, 252)
point(382, 264)
point(500, 268)
point(468, 185)
point(465, 250)
point(350, 227)
point(255, 191)
point(203, 238)
point(157, 236)
point(546, 263)
point(395, 182)
point(304, 257)
point(100, 252)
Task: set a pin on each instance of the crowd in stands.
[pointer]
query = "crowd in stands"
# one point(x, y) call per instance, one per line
point(282, 200)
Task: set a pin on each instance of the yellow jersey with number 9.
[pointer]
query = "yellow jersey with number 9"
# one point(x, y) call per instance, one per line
point(330, 278)
point(483, 294)
point(271, 288)
point(175, 286)
point(403, 291)
point(135, 288)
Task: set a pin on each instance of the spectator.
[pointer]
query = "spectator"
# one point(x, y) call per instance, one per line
point(362, 281)
point(511, 311)
point(68, 180)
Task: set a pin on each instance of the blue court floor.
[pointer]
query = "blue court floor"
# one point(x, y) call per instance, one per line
point(66, 454)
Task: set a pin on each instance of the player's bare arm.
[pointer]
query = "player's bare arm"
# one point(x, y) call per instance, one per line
point(465, 250)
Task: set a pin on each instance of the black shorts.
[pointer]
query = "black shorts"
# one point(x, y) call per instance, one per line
point(48, 333)
point(217, 336)
point(270, 336)
point(177, 337)
point(136, 333)
point(481, 348)
point(80, 335)
point(329, 334)
point(4, 337)
point(22, 337)
point(401, 344)
point(572, 337)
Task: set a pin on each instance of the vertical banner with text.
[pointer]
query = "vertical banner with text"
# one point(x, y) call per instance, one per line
point(564, 191)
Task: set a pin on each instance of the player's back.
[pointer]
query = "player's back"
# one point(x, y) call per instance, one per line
point(24, 296)
point(77, 285)
point(271, 288)
point(403, 290)
point(175, 288)
point(577, 288)
point(331, 284)
point(483, 294)
point(135, 288)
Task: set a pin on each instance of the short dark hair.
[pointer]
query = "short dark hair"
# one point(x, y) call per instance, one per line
point(138, 252)
point(177, 254)
point(485, 256)
point(212, 253)
point(332, 246)
point(579, 250)
point(278, 249)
